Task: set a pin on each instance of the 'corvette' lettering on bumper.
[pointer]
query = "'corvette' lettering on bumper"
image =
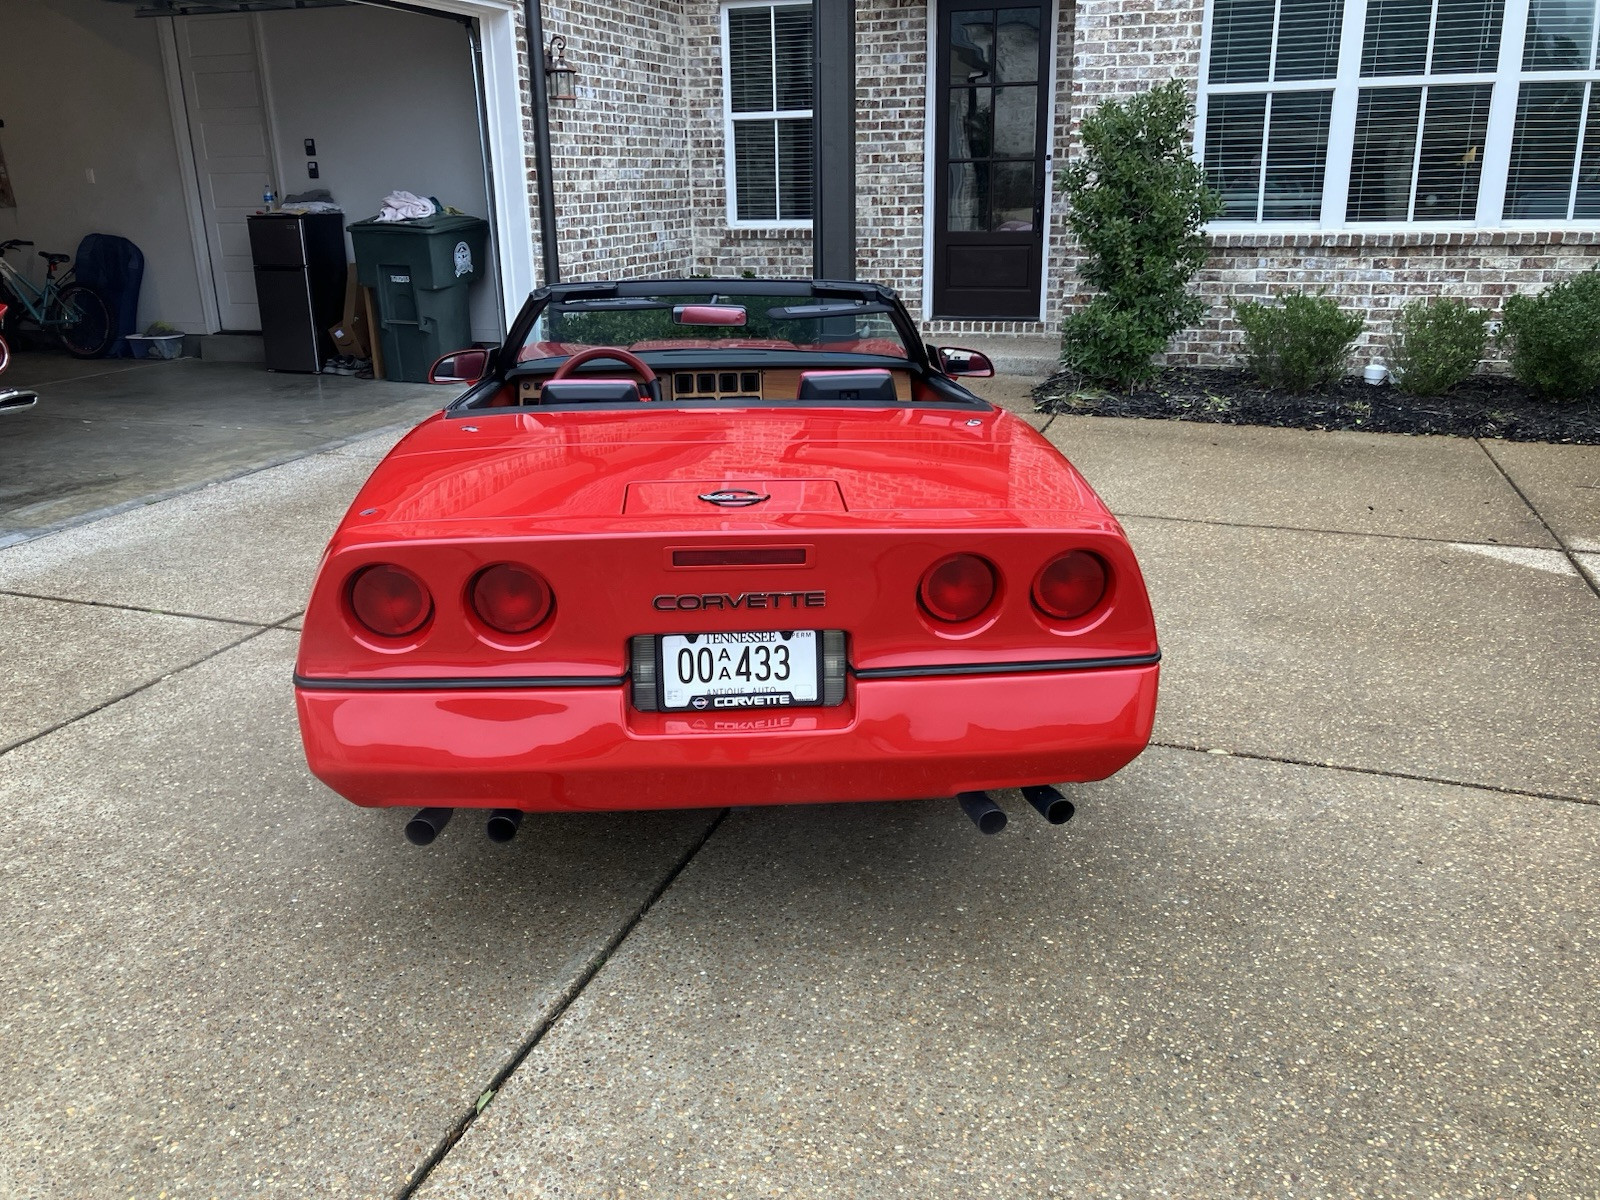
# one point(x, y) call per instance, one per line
point(692, 602)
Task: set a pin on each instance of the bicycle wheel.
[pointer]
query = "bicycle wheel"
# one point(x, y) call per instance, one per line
point(85, 322)
point(5, 355)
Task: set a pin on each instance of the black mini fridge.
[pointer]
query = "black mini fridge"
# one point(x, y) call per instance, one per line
point(300, 280)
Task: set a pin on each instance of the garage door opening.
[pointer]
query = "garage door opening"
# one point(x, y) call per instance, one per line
point(187, 114)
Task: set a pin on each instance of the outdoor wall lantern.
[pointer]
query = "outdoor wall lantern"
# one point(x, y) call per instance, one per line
point(559, 78)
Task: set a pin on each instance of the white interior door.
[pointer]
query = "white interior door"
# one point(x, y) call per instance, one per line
point(232, 149)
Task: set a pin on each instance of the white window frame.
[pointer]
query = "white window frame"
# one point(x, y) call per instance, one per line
point(1347, 85)
point(729, 117)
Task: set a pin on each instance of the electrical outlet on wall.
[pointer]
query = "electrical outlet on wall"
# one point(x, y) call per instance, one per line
point(88, 173)
point(312, 171)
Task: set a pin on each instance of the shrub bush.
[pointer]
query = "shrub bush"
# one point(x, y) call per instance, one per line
point(1436, 344)
point(1553, 338)
point(1301, 344)
point(1137, 201)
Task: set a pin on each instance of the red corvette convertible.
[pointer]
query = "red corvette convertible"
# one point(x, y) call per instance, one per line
point(692, 543)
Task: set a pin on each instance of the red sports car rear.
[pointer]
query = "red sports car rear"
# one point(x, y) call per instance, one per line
point(584, 606)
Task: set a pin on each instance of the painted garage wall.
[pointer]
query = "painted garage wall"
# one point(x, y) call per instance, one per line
point(81, 89)
point(389, 99)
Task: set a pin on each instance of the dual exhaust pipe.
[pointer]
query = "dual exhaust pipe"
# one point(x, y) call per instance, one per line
point(429, 823)
point(990, 818)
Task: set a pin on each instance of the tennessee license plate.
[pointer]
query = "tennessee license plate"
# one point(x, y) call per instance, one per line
point(716, 671)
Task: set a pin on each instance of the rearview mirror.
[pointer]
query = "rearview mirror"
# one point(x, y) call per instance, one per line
point(460, 366)
point(17, 400)
point(708, 314)
point(965, 362)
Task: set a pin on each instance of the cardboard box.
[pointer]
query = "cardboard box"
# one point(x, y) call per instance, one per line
point(352, 335)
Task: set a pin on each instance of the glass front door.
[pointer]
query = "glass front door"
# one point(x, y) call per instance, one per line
point(992, 65)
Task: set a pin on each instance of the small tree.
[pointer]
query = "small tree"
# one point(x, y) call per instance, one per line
point(1137, 202)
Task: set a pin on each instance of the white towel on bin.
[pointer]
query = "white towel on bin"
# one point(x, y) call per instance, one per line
point(403, 206)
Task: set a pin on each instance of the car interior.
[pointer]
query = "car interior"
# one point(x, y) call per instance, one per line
point(774, 346)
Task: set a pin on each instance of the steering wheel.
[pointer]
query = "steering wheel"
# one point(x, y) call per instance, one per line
point(652, 385)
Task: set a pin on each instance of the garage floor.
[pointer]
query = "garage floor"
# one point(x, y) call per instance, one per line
point(1333, 934)
point(111, 433)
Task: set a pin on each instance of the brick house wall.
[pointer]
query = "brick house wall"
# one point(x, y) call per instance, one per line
point(1125, 46)
point(638, 158)
point(641, 185)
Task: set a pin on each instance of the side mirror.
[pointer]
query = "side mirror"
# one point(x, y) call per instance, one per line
point(459, 366)
point(17, 400)
point(965, 362)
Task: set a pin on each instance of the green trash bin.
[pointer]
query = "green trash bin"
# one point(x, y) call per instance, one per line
point(419, 272)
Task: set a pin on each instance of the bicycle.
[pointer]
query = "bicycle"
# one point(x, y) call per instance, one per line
point(76, 314)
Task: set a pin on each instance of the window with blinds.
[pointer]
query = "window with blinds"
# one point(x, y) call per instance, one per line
point(1267, 147)
point(1437, 112)
point(1555, 150)
point(767, 53)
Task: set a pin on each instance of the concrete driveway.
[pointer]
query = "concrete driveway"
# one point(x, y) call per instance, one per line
point(111, 434)
point(1333, 934)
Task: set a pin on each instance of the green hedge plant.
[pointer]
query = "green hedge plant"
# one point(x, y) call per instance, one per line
point(1137, 202)
point(1300, 345)
point(1436, 345)
point(1553, 338)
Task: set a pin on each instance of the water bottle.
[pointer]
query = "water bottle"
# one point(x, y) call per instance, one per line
point(268, 197)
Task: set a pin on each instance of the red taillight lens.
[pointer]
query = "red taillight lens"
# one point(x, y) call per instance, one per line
point(510, 598)
point(1070, 586)
point(390, 600)
point(957, 588)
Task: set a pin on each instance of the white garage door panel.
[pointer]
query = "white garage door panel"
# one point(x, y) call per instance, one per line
point(228, 129)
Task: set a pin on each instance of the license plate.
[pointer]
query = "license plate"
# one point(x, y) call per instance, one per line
point(708, 672)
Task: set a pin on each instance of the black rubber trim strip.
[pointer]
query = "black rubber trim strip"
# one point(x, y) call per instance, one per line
point(578, 681)
point(1010, 668)
point(454, 684)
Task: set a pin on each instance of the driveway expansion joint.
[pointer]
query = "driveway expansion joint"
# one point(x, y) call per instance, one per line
point(1497, 789)
point(563, 1001)
point(140, 608)
point(1355, 533)
point(1539, 516)
point(254, 633)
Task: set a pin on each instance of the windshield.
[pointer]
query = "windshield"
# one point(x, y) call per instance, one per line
point(714, 321)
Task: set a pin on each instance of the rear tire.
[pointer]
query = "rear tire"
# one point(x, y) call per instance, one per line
point(5, 355)
point(85, 331)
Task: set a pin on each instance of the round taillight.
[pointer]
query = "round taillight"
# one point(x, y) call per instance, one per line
point(390, 600)
point(510, 598)
point(957, 588)
point(1070, 585)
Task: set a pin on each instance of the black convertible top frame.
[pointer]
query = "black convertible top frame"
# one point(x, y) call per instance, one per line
point(818, 289)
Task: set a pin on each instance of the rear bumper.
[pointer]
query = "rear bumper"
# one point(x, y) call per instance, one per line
point(585, 749)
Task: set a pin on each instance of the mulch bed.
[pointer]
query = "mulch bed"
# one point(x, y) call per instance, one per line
point(1492, 406)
